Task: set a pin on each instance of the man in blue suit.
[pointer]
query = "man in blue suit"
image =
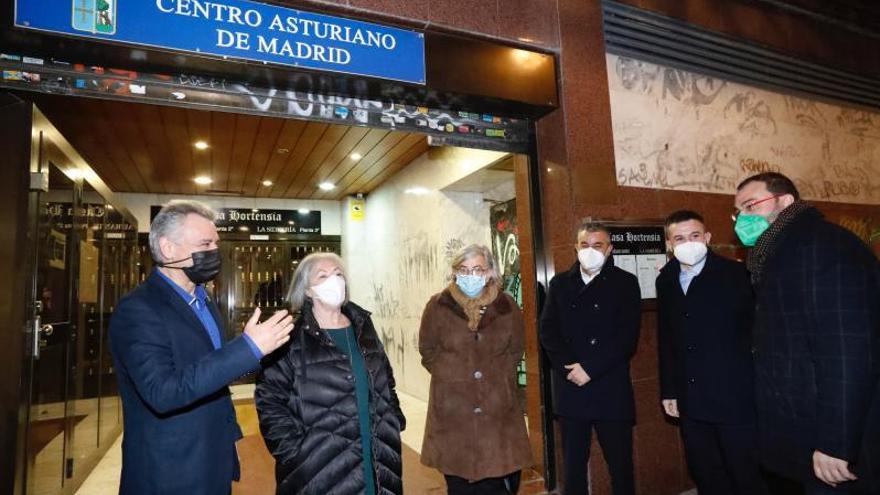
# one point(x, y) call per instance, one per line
point(174, 367)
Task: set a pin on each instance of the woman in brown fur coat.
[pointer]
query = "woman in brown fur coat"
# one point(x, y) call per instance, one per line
point(471, 339)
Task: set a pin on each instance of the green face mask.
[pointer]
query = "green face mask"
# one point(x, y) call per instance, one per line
point(749, 227)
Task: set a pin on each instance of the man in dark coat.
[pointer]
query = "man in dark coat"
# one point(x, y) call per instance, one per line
point(817, 338)
point(589, 329)
point(705, 308)
point(173, 365)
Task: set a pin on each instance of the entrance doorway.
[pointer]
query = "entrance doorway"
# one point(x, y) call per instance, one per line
point(395, 205)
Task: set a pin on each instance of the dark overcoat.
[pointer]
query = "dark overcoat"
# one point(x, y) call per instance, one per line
point(705, 341)
point(817, 347)
point(596, 325)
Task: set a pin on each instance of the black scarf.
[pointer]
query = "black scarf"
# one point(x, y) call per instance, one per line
point(766, 245)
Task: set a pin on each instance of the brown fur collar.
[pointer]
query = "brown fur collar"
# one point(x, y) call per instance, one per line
point(474, 309)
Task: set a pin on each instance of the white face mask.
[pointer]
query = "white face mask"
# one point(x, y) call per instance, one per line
point(331, 291)
point(591, 259)
point(690, 253)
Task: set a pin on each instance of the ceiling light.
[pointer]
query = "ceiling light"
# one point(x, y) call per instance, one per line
point(327, 186)
point(203, 180)
point(201, 145)
point(418, 191)
point(267, 183)
point(304, 211)
point(356, 156)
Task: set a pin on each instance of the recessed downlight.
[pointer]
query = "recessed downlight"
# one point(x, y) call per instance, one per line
point(203, 180)
point(327, 186)
point(201, 145)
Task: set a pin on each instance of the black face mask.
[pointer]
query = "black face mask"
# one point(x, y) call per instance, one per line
point(206, 266)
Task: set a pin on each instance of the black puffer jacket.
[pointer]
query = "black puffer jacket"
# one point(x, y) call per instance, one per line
point(306, 401)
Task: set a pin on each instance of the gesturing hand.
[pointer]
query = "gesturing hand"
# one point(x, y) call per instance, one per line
point(670, 406)
point(831, 470)
point(272, 333)
point(576, 374)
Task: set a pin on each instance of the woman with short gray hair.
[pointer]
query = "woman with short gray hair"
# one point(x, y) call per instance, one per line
point(327, 403)
point(471, 339)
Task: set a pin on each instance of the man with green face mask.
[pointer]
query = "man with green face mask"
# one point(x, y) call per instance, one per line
point(816, 340)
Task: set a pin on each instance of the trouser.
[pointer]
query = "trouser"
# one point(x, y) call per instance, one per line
point(722, 459)
point(487, 486)
point(615, 439)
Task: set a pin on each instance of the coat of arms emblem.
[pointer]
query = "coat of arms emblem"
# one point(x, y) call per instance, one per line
point(94, 16)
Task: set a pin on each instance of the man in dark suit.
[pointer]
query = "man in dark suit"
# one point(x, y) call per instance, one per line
point(704, 309)
point(817, 339)
point(173, 365)
point(589, 329)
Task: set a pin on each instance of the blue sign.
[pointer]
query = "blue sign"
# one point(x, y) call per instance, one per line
point(238, 29)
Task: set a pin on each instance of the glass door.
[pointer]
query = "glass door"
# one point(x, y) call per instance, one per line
point(57, 256)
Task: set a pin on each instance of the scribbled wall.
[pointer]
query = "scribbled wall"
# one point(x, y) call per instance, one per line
point(505, 247)
point(399, 254)
point(675, 129)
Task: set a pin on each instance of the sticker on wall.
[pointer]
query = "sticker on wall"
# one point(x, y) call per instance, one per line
point(356, 209)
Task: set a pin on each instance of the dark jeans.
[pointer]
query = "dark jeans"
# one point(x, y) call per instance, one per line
point(487, 486)
point(615, 439)
point(722, 459)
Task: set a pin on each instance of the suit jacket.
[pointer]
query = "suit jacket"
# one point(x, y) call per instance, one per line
point(596, 325)
point(179, 424)
point(817, 347)
point(704, 340)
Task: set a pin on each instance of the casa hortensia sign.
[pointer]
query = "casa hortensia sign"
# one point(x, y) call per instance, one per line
point(262, 221)
point(238, 29)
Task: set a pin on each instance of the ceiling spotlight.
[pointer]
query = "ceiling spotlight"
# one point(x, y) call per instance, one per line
point(201, 145)
point(203, 180)
point(356, 156)
point(327, 186)
point(267, 183)
point(304, 211)
point(418, 191)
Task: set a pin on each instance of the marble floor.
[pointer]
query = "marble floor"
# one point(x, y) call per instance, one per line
point(105, 478)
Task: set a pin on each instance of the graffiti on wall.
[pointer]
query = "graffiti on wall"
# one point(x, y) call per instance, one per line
point(505, 247)
point(679, 130)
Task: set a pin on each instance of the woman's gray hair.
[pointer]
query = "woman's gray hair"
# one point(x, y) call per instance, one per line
point(170, 218)
point(296, 295)
point(473, 251)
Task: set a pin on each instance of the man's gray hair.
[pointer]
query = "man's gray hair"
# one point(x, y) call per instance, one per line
point(473, 251)
point(168, 222)
point(590, 227)
point(296, 295)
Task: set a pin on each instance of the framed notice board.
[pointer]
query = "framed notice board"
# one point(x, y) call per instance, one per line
point(641, 250)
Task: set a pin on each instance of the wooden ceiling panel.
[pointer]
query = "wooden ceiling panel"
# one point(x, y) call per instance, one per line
point(331, 138)
point(386, 144)
point(150, 149)
point(179, 150)
point(352, 139)
point(290, 135)
point(345, 164)
point(298, 155)
point(264, 147)
point(356, 180)
point(221, 143)
point(108, 122)
point(198, 125)
point(413, 152)
point(246, 127)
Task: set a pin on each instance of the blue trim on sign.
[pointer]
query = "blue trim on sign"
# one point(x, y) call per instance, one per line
point(242, 30)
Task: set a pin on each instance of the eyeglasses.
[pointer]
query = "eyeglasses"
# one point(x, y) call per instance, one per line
point(477, 270)
point(747, 208)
